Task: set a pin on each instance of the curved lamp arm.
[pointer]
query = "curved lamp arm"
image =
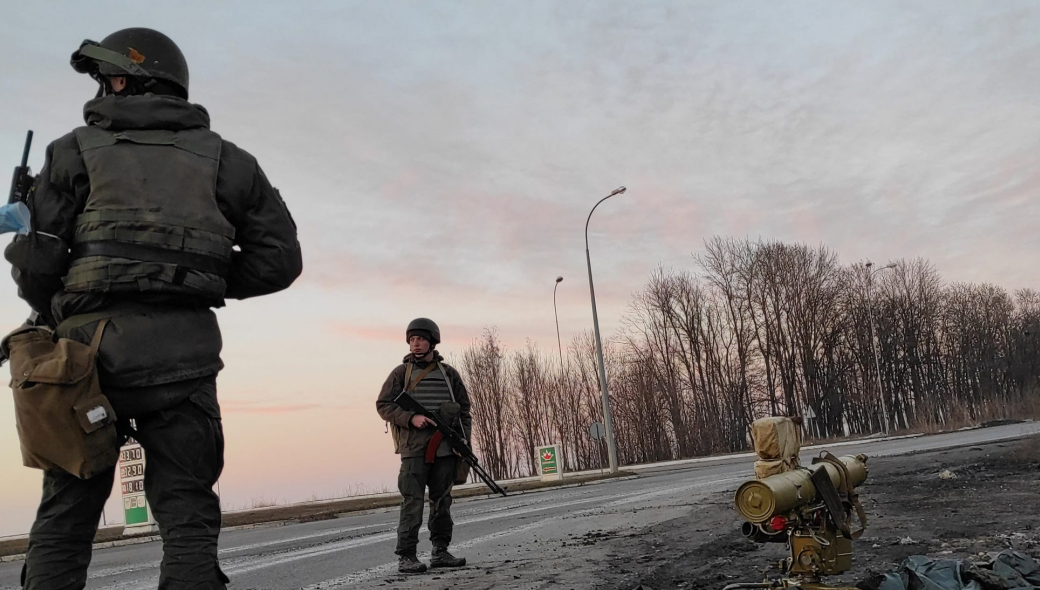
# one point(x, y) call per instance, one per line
point(616, 191)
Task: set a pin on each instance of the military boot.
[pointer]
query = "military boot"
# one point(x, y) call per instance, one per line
point(410, 564)
point(441, 558)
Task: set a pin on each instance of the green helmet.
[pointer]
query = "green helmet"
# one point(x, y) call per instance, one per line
point(144, 54)
point(424, 327)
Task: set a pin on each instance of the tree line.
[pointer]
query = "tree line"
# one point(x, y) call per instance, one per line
point(760, 328)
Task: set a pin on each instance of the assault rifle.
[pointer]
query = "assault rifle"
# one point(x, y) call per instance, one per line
point(456, 441)
point(22, 181)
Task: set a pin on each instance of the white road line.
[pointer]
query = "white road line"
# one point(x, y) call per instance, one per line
point(386, 568)
point(252, 563)
point(122, 569)
point(486, 512)
point(149, 582)
point(672, 490)
point(261, 562)
point(389, 568)
point(307, 537)
point(387, 524)
point(247, 564)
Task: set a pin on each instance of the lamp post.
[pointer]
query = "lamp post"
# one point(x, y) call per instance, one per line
point(877, 353)
point(559, 343)
point(607, 421)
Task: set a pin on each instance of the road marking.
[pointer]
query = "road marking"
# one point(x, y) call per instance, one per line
point(389, 524)
point(387, 568)
point(247, 564)
point(252, 563)
point(261, 562)
point(122, 569)
point(672, 490)
point(308, 536)
point(487, 512)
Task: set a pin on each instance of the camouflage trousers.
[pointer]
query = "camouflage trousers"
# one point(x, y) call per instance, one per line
point(184, 455)
point(417, 475)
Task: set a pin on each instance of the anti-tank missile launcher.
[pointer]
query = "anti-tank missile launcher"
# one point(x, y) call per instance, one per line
point(809, 508)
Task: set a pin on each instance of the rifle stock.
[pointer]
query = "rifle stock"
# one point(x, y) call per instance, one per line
point(457, 442)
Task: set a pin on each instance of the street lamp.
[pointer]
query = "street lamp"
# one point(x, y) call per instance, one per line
point(607, 421)
point(877, 353)
point(559, 342)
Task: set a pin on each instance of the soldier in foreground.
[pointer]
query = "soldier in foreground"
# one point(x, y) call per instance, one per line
point(147, 219)
point(426, 460)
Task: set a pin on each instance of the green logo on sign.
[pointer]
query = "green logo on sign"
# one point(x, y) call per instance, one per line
point(135, 509)
point(547, 456)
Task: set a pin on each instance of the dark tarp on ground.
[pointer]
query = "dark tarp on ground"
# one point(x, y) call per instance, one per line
point(1010, 570)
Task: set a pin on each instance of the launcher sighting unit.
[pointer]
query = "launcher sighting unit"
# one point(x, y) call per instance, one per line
point(808, 508)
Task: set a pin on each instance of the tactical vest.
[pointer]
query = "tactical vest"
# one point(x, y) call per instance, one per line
point(434, 388)
point(151, 222)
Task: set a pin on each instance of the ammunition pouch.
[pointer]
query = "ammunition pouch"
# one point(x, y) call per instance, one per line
point(461, 471)
point(62, 418)
point(450, 411)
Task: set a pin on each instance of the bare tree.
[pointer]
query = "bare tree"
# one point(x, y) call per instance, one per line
point(764, 328)
point(482, 366)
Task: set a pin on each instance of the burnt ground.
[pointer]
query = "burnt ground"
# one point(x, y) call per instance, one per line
point(964, 503)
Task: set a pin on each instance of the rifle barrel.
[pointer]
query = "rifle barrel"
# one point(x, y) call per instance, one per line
point(25, 151)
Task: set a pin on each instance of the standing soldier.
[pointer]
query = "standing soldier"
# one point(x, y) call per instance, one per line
point(433, 384)
point(147, 218)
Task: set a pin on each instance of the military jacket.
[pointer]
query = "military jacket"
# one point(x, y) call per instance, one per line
point(245, 233)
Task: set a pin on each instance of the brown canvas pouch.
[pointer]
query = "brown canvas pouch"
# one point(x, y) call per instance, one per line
point(449, 411)
point(461, 471)
point(62, 418)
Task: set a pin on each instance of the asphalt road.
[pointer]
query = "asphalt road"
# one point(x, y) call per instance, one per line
point(531, 540)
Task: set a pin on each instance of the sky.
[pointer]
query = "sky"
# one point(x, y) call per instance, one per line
point(441, 159)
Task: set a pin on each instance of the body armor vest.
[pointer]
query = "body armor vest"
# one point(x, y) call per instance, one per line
point(151, 222)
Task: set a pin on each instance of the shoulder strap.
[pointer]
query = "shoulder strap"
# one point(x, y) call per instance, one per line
point(424, 373)
point(451, 392)
point(444, 373)
point(201, 142)
point(98, 333)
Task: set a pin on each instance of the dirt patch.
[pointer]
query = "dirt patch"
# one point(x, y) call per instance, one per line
point(591, 538)
point(965, 503)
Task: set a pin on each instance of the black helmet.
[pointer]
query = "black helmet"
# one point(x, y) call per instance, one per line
point(144, 54)
point(424, 327)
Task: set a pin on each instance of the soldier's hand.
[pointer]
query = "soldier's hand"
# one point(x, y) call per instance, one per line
point(420, 421)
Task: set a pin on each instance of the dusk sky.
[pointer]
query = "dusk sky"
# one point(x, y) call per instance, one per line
point(440, 159)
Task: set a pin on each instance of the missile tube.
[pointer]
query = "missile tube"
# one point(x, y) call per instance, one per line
point(761, 499)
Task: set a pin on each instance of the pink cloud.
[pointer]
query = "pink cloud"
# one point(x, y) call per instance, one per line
point(459, 334)
point(367, 333)
point(255, 407)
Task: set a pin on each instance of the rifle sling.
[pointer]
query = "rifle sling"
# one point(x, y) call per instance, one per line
point(411, 386)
